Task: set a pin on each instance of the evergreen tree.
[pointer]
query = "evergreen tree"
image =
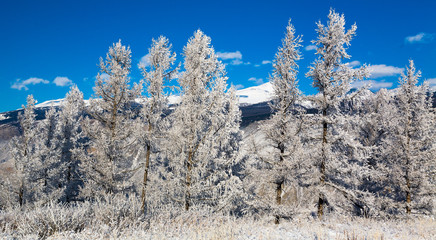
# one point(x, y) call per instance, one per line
point(151, 126)
point(48, 152)
point(276, 167)
point(70, 138)
point(23, 153)
point(409, 150)
point(109, 128)
point(335, 149)
point(204, 137)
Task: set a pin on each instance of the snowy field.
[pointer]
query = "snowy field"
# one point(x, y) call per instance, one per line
point(121, 219)
point(242, 229)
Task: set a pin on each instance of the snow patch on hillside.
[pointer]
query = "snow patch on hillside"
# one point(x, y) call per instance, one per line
point(256, 94)
point(247, 96)
point(3, 117)
point(55, 103)
point(173, 99)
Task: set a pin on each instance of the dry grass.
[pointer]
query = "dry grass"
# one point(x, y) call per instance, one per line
point(120, 219)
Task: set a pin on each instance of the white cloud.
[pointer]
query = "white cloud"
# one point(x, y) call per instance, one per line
point(264, 62)
point(432, 83)
point(18, 84)
point(145, 61)
point(419, 38)
point(354, 63)
point(229, 55)
point(258, 81)
point(236, 62)
point(382, 70)
point(310, 47)
point(62, 81)
point(374, 85)
point(235, 57)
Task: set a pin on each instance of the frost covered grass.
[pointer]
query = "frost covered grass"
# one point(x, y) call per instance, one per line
point(121, 218)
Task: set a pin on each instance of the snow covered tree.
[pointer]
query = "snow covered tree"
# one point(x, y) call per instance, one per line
point(23, 153)
point(275, 166)
point(109, 128)
point(410, 150)
point(332, 78)
point(36, 153)
point(48, 152)
point(372, 129)
point(70, 137)
point(204, 137)
point(149, 134)
point(370, 120)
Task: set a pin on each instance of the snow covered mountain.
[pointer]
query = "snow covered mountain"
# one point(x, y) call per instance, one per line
point(247, 96)
point(256, 94)
point(253, 103)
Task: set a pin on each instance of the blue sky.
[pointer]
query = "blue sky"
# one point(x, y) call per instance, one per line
point(47, 45)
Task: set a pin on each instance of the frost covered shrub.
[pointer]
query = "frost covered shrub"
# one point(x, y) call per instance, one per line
point(201, 224)
point(45, 221)
point(115, 212)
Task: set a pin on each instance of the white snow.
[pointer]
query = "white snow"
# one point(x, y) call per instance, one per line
point(3, 117)
point(247, 96)
point(55, 103)
point(256, 94)
point(173, 99)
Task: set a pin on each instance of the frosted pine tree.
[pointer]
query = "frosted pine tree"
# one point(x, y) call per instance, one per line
point(370, 125)
point(273, 170)
point(48, 152)
point(23, 154)
point(70, 138)
point(332, 147)
point(410, 150)
point(151, 127)
point(107, 166)
point(204, 137)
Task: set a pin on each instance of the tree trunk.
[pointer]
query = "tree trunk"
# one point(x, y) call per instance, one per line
point(323, 162)
point(68, 183)
point(408, 197)
point(278, 199)
point(21, 194)
point(188, 181)
point(279, 184)
point(408, 157)
point(144, 181)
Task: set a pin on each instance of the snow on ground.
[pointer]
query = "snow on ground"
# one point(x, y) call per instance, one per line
point(230, 228)
point(121, 218)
